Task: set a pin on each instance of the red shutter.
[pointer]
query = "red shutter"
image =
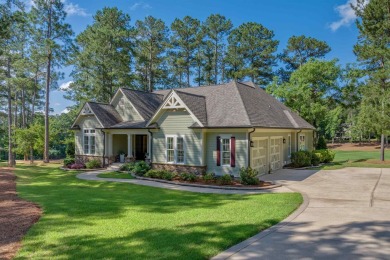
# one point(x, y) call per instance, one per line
point(218, 151)
point(233, 151)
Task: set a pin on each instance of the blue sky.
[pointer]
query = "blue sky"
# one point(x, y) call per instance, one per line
point(328, 20)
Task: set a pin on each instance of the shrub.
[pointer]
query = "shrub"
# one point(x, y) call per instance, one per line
point(209, 177)
point(128, 167)
point(326, 155)
point(77, 166)
point(141, 167)
point(249, 176)
point(301, 159)
point(188, 177)
point(316, 158)
point(321, 144)
point(155, 174)
point(70, 148)
point(167, 175)
point(69, 161)
point(225, 179)
point(93, 164)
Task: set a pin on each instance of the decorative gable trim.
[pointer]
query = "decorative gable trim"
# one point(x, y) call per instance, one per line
point(123, 94)
point(86, 111)
point(173, 101)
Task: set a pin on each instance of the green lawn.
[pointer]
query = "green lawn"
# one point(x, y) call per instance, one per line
point(368, 159)
point(105, 220)
point(116, 175)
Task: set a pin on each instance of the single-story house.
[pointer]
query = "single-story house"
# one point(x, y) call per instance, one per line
point(218, 128)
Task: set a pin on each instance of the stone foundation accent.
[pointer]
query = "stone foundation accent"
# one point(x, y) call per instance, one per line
point(179, 168)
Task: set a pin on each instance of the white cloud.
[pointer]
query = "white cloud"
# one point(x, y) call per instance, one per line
point(73, 9)
point(65, 86)
point(57, 104)
point(65, 111)
point(70, 8)
point(140, 5)
point(346, 13)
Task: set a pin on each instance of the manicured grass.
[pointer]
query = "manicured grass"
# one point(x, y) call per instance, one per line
point(105, 220)
point(116, 175)
point(368, 159)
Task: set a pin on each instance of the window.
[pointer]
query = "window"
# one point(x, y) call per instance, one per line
point(89, 141)
point(180, 149)
point(175, 149)
point(170, 149)
point(302, 142)
point(225, 151)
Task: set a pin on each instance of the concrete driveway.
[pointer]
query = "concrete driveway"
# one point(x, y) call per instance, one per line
point(347, 217)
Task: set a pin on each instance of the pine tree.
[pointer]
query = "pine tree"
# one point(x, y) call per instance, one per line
point(254, 45)
point(55, 38)
point(102, 62)
point(151, 44)
point(373, 52)
point(184, 41)
point(217, 27)
point(298, 51)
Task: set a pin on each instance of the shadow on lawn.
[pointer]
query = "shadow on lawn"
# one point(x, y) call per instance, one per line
point(156, 243)
point(353, 240)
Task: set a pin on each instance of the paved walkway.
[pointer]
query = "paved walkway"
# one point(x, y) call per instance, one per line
point(92, 176)
point(347, 217)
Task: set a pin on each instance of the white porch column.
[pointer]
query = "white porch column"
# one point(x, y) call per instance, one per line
point(129, 145)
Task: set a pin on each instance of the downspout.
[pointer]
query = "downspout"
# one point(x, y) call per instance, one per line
point(297, 141)
point(151, 145)
point(249, 146)
point(104, 147)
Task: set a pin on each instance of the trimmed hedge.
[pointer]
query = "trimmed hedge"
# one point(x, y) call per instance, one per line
point(305, 158)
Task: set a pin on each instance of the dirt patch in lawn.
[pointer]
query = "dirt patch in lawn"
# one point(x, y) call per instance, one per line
point(16, 215)
point(355, 146)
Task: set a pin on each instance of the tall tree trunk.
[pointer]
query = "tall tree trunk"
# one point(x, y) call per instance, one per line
point(11, 161)
point(47, 105)
point(382, 147)
point(216, 61)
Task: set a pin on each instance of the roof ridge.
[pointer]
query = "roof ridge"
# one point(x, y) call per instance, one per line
point(242, 101)
point(245, 84)
point(145, 92)
point(190, 94)
point(100, 103)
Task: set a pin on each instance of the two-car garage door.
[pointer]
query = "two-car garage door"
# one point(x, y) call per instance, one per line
point(267, 154)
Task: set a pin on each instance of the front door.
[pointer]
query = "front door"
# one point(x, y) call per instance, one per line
point(140, 147)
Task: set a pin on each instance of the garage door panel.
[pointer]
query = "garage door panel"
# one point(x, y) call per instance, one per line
point(259, 155)
point(276, 144)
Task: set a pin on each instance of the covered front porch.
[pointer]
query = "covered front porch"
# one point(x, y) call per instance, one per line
point(127, 145)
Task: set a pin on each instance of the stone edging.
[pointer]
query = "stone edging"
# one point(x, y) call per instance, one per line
point(244, 244)
point(207, 186)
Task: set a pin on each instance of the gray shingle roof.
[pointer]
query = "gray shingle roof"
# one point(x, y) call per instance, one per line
point(196, 103)
point(236, 104)
point(146, 103)
point(106, 114)
point(132, 125)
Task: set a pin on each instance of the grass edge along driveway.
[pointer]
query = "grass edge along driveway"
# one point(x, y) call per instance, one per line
point(101, 220)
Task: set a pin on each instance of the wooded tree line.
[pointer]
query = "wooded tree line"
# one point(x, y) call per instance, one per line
point(148, 54)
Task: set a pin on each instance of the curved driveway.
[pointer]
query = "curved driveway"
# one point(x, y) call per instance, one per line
point(348, 217)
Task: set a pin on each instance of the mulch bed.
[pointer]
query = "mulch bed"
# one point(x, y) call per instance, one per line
point(16, 215)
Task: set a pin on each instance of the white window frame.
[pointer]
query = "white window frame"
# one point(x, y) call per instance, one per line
point(175, 150)
point(89, 134)
point(304, 142)
point(230, 150)
point(289, 143)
